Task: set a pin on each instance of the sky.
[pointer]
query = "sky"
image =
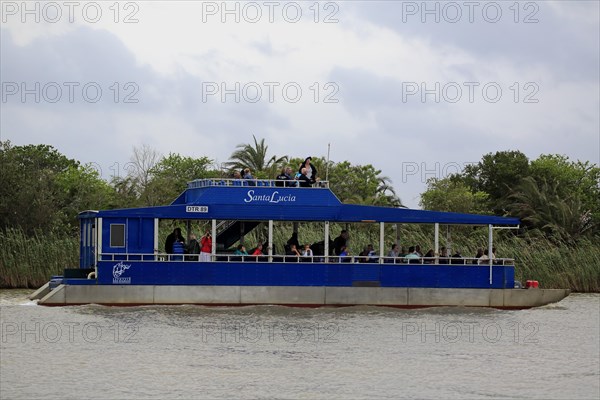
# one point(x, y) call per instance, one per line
point(417, 89)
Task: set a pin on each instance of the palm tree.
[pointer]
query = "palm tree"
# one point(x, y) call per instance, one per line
point(539, 205)
point(255, 158)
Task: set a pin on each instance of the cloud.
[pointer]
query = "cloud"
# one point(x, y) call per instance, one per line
point(381, 89)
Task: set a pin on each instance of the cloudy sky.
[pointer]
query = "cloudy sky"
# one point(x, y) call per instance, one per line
point(417, 89)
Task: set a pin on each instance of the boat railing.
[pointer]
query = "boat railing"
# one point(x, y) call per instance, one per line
point(222, 182)
point(352, 259)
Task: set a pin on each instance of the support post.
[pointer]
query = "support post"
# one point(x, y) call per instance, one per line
point(213, 232)
point(326, 242)
point(270, 240)
point(156, 249)
point(437, 243)
point(490, 246)
point(381, 242)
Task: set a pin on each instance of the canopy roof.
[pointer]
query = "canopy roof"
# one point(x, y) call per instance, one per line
point(260, 203)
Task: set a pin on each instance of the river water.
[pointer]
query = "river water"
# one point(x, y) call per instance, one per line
point(180, 352)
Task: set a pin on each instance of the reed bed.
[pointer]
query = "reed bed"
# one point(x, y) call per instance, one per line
point(28, 262)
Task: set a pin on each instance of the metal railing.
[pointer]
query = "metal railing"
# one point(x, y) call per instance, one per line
point(351, 259)
point(210, 182)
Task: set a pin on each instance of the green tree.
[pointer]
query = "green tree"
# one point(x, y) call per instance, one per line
point(254, 156)
point(580, 179)
point(361, 184)
point(497, 174)
point(42, 189)
point(171, 175)
point(542, 207)
point(452, 194)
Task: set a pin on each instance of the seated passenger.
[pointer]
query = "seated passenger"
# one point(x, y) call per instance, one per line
point(418, 250)
point(249, 178)
point(345, 254)
point(307, 252)
point(484, 258)
point(478, 255)
point(282, 178)
point(292, 254)
point(456, 258)
point(429, 257)
point(237, 178)
point(402, 252)
point(304, 180)
point(371, 254)
point(412, 256)
point(443, 256)
point(241, 250)
point(258, 251)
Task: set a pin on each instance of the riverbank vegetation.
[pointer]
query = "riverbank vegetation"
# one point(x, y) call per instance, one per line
point(558, 244)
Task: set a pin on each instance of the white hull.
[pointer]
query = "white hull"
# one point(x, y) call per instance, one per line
point(307, 296)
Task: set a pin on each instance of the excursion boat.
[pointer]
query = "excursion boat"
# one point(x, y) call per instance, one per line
point(122, 262)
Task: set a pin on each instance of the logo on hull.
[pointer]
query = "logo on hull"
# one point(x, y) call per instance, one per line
point(118, 270)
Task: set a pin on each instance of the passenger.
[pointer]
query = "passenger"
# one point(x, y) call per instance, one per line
point(484, 258)
point(393, 253)
point(292, 254)
point(206, 251)
point(248, 176)
point(193, 248)
point(304, 180)
point(307, 253)
point(478, 255)
point(171, 238)
point(258, 251)
point(344, 254)
point(494, 256)
point(340, 241)
point(241, 250)
point(311, 171)
point(444, 256)
point(293, 240)
point(456, 258)
point(237, 178)
point(363, 256)
point(282, 178)
point(429, 257)
point(418, 250)
point(371, 254)
point(412, 255)
point(402, 252)
point(179, 249)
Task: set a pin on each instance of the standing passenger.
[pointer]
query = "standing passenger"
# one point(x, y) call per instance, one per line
point(206, 251)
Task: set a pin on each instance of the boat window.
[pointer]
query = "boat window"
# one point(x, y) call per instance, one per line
point(117, 235)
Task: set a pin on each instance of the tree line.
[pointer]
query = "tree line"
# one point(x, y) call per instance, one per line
point(553, 196)
point(42, 190)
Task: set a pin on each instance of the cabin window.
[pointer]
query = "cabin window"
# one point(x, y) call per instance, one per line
point(117, 235)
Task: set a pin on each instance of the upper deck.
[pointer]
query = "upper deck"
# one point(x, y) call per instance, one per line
point(263, 200)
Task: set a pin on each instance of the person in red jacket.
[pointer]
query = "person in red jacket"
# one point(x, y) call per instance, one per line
point(206, 247)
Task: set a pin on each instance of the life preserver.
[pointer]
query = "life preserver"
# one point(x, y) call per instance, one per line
point(91, 275)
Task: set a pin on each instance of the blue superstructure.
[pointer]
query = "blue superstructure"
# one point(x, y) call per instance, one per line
point(126, 250)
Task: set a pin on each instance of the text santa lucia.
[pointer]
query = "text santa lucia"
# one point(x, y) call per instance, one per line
point(121, 261)
point(274, 197)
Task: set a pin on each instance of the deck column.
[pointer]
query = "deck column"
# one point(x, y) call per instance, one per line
point(381, 242)
point(490, 245)
point(213, 251)
point(156, 249)
point(270, 249)
point(437, 243)
point(326, 242)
